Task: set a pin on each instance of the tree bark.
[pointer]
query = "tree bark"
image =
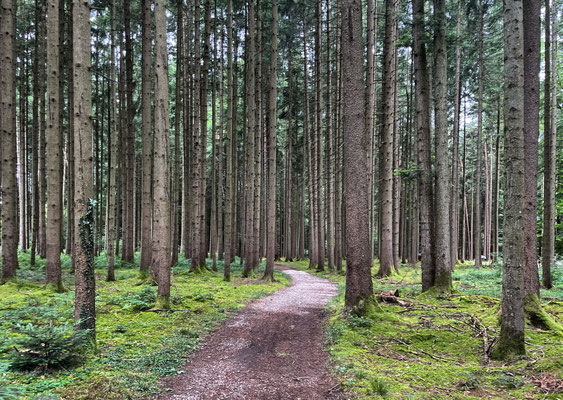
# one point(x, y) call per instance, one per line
point(386, 146)
point(422, 109)
point(550, 141)
point(146, 204)
point(443, 278)
point(53, 275)
point(532, 28)
point(454, 203)
point(271, 132)
point(112, 160)
point(511, 342)
point(476, 227)
point(161, 194)
point(359, 297)
point(8, 150)
point(230, 188)
point(85, 284)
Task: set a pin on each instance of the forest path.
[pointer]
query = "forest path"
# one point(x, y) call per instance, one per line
point(272, 349)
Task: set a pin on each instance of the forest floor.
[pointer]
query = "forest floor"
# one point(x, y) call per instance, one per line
point(136, 347)
point(273, 349)
point(419, 346)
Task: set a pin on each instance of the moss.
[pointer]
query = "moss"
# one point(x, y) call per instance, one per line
point(538, 317)
point(56, 287)
point(508, 348)
point(199, 269)
point(163, 302)
point(365, 306)
point(144, 275)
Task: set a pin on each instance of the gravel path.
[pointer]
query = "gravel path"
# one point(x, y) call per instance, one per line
point(273, 349)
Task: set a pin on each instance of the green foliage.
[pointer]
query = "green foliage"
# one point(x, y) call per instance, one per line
point(142, 300)
point(46, 347)
point(11, 392)
point(378, 386)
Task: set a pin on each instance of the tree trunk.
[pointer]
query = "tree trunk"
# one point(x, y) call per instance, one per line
point(161, 194)
point(271, 132)
point(85, 284)
point(532, 24)
point(443, 278)
point(53, 276)
point(8, 150)
point(319, 146)
point(422, 107)
point(249, 144)
point(511, 342)
point(176, 187)
point(476, 227)
point(146, 206)
point(359, 297)
point(230, 188)
point(386, 147)
point(112, 160)
point(454, 203)
point(550, 141)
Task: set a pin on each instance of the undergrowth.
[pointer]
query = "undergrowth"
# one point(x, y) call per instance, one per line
point(135, 347)
point(434, 348)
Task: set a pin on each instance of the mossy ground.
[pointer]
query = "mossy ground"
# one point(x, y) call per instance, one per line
point(134, 347)
point(433, 349)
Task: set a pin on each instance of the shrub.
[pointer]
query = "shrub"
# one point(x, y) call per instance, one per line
point(47, 347)
point(142, 300)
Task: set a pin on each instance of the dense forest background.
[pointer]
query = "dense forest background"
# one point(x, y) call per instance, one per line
point(218, 134)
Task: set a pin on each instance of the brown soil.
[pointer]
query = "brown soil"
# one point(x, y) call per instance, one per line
point(273, 349)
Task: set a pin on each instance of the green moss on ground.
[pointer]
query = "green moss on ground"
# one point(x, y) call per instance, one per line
point(135, 346)
point(434, 348)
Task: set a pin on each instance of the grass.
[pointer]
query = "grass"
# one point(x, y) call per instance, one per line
point(135, 348)
point(433, 349)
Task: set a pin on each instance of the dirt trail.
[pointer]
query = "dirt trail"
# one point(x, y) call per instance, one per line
point(273, 349)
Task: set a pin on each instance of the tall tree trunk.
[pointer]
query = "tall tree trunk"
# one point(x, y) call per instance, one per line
point(230, 188)
point(511, 342)
point(271, 132)
point(329, 150)
point(454, 203)
point(319, 141)
point(70, 141)
point(129, 141)
point(112, 160)
point(53, 274)
point(422, 107)
point(359, 297)
point(146, 204)
point(161, 200)
point(8, 150)
point(386, 147)
point(477, 186)
point(443, 278)
point(249, 144)
point(532, 28)
point(42, 180)
point(176, 187)
point(550, 141)
point(197, 259)
point(85, 284)
point(203, 234)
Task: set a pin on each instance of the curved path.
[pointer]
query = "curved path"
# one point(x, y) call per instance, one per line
point(273, 349)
